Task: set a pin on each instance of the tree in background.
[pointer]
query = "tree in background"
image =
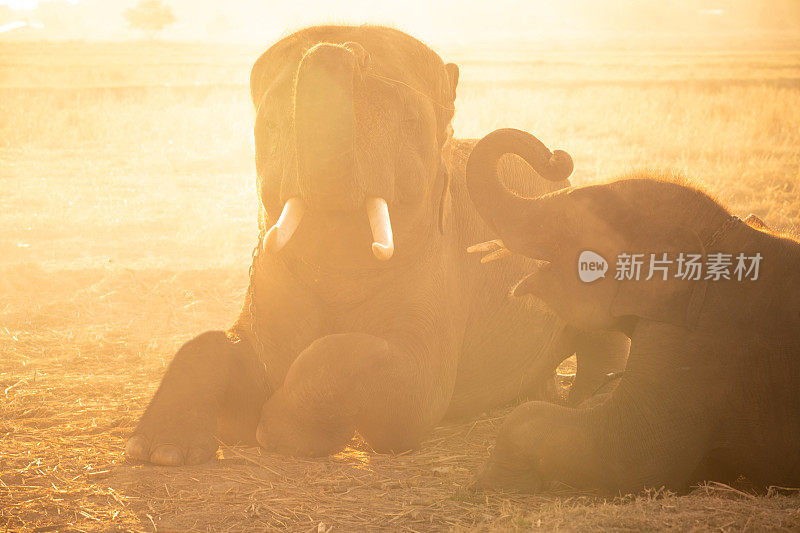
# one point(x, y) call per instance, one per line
point(150, 16)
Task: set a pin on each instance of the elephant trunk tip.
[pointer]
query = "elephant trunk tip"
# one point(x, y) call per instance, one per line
point(362, 58)
point(561, 165)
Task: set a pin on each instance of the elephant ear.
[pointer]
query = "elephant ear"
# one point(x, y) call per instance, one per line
point(754, 222)
point(452, 77)
point(445, 97)
point(674, 300)
point(449, 97)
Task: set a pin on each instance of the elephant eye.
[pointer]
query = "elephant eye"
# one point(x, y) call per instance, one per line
point(412, 120)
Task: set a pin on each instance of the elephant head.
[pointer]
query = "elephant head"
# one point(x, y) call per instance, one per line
point(568, 228)
point(350, 134)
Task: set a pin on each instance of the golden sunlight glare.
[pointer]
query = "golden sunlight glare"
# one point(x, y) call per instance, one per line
point(401, 265)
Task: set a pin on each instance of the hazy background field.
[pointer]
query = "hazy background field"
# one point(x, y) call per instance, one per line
point(142, 153)
point(128, 215)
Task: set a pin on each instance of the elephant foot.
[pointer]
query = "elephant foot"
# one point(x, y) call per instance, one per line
point(213, 387)
point(392, 441)
point(171, 443)
point(282, 430)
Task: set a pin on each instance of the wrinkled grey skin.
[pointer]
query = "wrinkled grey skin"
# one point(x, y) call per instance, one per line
point(331, 340)
point(711, 386)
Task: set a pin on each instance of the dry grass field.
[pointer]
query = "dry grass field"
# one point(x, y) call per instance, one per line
point(127, 219)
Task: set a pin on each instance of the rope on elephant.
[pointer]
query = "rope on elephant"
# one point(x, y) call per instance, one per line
point(392, 81)
point(251, 289)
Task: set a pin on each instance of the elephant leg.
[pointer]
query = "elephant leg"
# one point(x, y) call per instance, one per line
point(714, 467)
point(242, 403)
point(644, 444)
point(347, 382)
point(180, 424)
point(599, 353)
point(660, 424)
point(621, 446)
point(655, 429)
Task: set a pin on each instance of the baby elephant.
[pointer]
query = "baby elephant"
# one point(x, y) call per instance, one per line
point(711, 305)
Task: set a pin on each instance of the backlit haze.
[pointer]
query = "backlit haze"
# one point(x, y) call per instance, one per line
point(129, 215)
point(626, 23)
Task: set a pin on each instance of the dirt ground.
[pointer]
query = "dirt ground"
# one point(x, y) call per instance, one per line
point(82, 354)
point(127, 218)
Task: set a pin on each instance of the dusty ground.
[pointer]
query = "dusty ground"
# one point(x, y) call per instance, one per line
point(128, 214)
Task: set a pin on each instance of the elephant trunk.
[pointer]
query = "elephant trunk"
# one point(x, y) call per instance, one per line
point(325, 125)
point(502, 210)
point(328, 173)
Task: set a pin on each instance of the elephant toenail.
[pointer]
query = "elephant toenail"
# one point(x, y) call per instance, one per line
point(137, 447)
point(167, 455)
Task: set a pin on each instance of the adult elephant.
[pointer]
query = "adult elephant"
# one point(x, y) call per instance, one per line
point(710, 390)
point(364, 311)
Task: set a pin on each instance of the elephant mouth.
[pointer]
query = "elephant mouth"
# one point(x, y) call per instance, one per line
point(295, 209)
point(528, 282)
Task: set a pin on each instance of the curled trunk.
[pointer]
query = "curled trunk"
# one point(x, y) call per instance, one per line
point(503, 210)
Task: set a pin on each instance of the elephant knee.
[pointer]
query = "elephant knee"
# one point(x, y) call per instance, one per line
point(201, 363)
point(345, 357)
point(301, 430)
point(208, 345)
point(538, 443)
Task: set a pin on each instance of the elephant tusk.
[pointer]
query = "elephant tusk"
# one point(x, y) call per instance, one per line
point(381, 224)
point(279, 234)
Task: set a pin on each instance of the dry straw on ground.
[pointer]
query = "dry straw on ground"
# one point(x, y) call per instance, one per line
point(77, 371)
